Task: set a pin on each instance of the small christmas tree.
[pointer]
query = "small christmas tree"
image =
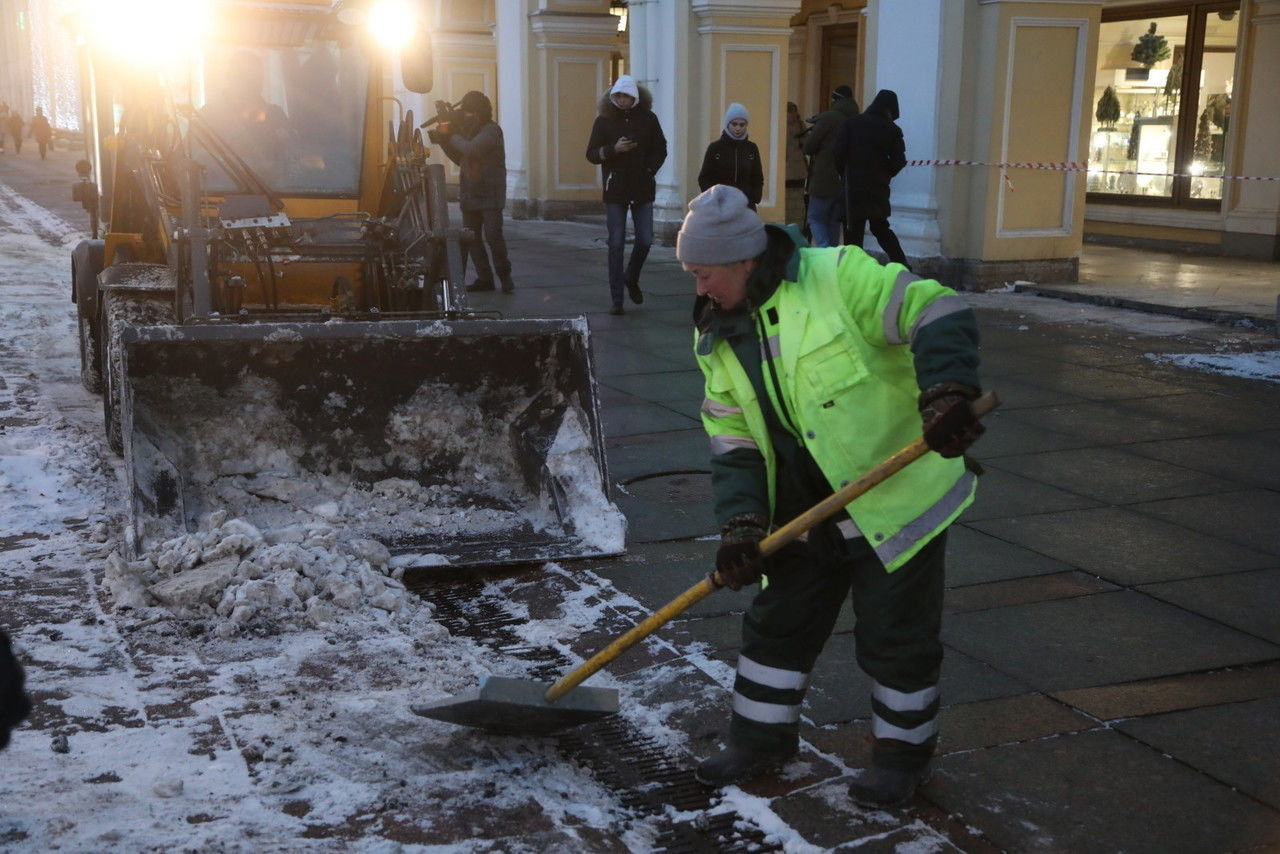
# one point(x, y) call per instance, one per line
point(1108, 111)
point(1151, 48)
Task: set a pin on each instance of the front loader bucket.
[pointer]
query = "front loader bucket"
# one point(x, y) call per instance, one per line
point(460, 442)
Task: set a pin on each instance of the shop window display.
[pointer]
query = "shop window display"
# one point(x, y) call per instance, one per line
point(1163, 105)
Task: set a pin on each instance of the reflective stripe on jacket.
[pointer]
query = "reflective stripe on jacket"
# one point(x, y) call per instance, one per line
point(841, 335)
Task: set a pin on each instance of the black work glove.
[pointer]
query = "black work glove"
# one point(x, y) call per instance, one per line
point(14, 705)
point(950, 426)
point(738, 560)
point(437, 136)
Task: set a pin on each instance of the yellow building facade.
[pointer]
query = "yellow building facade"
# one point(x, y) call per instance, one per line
point(1165, 141)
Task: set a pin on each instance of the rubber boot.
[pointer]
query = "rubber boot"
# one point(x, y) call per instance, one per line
point(735, 763)
point(884, 788)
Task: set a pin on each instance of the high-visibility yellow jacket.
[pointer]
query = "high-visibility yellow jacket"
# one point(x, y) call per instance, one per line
point(838, 341)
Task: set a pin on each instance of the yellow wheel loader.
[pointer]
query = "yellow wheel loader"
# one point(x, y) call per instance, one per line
point(275, 313)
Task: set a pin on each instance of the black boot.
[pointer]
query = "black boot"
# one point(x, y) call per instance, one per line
point(617, 308)
point(884, 788)
point(735, 763)
point(508, 285)
point(480, 285)
point(633, 291)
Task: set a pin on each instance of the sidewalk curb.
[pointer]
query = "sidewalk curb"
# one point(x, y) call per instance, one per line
point(1237, 319)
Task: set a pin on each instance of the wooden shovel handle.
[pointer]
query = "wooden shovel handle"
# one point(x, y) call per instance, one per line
point(823, 510)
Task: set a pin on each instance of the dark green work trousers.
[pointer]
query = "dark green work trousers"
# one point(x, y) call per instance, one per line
point(899, 617)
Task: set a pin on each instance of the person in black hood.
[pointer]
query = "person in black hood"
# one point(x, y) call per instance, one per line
point(628, 144)
point(477, 146)
point(869, 152)
point(733, 159)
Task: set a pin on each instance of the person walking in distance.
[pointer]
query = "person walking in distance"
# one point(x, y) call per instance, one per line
point(826, 196)
point(869, 151)
point(474, 141)
point(796, 164)
point(4, 122)
point(14, 125)
point(733, 159)
point(41, 131)
point(818, 364)
point(628, 144)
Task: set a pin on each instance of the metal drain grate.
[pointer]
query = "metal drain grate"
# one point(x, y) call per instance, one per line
point(647, 779)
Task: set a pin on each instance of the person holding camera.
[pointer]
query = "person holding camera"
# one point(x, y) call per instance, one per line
point(473, 140)
point(628, 144)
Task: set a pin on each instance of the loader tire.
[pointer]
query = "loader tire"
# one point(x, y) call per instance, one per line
point(122, 307)
point(86, 264)
point(90, 364)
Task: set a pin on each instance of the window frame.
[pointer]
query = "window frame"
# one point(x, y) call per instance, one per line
point(1188, 99)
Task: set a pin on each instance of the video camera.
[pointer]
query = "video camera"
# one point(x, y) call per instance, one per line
point(446, 115)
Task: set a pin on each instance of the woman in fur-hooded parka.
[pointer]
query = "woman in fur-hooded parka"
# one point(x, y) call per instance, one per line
point(628, 176)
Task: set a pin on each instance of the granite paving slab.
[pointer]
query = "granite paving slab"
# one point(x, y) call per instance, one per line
point(1171, 693)
point(655, 573)
point(1250, 517)
point(1126, 547)
point(1099, 640)
point(1112, 475)
point(678, 387)
point(1020, 393)
point(1232, 755)
point(642, 455)
point(667, 507)
point(1252, 459)
point(1097, 791)
point(1116, 422)
point(1019, 591)
point(840, 692)
point(1007, 436)
point(1002, 494)
point(832, 822)
point(1248, 601)
point(974, 557)
point(1006, 720)
point(1103, 385)
point(640, 418)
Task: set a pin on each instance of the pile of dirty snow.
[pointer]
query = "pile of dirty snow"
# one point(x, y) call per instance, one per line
point(239, 578)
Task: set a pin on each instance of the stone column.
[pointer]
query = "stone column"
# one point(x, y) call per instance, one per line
point(739, 52)
point(557, 67)
point(1026, 72)
point(905, 51)
point(659, 60)
point(1252, 208)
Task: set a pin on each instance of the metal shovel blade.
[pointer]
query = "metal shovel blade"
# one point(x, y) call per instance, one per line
point(519, 707)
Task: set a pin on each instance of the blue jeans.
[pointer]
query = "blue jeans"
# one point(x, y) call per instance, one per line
point(824, 220)
point(642, 221)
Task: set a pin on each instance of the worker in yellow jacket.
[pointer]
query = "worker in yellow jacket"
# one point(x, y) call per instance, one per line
point(818, 364)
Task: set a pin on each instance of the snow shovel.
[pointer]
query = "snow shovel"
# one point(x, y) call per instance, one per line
point(523, 707)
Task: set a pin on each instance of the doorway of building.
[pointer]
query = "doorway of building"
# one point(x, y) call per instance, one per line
point(839, 60)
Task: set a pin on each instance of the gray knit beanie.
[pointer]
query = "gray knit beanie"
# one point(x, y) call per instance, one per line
point(720, 229)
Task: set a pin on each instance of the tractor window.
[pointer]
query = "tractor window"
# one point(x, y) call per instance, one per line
point(294, 115)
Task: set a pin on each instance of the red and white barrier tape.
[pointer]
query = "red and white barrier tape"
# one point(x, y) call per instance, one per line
point(1071, 166)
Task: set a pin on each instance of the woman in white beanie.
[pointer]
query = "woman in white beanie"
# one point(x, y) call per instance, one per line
point(733, 159)
point(628, 144)
point(819, 363)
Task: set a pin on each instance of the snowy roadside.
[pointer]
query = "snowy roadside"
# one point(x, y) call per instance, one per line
point(218, 731)
point(242, 689)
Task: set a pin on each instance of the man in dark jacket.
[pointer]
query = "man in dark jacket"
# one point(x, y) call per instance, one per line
point(477, 146)
point(869, 151)
point(14, 705)
point(826, 196)
point(733, 159)
point(41, 131)
point(628, 143)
